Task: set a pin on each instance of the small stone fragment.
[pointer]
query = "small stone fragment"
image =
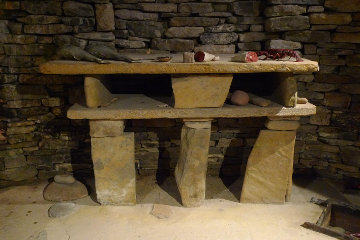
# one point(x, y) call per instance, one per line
point(62, 209)
point(161, 211)
point(240, 98)
point(64, 179)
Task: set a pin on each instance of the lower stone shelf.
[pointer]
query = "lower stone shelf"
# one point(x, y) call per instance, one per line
point(138, 106)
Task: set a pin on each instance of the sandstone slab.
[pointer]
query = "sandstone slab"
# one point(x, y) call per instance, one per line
point(282, 125)
point(283, 44)
point(269, 168)
point(285, 89)
point(96, 91)
point(246, 8)
point(114, 168)
point(146, 29)
point(190, 171)
point(106, 128)
point(200, 90)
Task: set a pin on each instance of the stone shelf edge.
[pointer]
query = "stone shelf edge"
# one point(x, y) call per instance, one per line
point(138, 106)
point(175, 67)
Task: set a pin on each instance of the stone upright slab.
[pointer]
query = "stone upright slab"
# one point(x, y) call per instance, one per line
point(269, 168)
point(96, 91)
point(114, 168)
point(285, 89)
point(190, 171)
point(194, 91)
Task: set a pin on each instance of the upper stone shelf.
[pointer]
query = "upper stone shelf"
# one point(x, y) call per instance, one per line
point(175, 66)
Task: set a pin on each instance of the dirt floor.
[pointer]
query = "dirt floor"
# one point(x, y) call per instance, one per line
point(159, 215)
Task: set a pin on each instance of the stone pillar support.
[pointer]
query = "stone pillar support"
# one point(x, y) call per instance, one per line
point(200, 90)
point(285, 89)
point(268, 176)
point(113, 155)
point(96, 91)
point(191, 168)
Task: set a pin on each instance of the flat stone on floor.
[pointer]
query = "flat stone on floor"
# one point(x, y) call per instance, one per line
point(282, 125)
point(59, 192)
point(194, 91)
point(114, 168)
point(190, 171)
point(269, 168)
point(106, 128)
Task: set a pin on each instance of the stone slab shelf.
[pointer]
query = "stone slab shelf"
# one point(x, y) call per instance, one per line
point(139, 106)
point(176, 66)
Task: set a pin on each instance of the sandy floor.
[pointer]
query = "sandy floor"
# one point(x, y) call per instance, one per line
point(24, 215)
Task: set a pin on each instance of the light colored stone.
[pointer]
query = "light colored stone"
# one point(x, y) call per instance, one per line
point(190, 171)
point(106, 128)
point(105, 20)
point(285, 89)
point(142, 107)
point(240, 98)
point(58, 192)
point(198, 124)
point(200, 90)
point(114, 168)
point(282, 125)
point(269, 168)
point(96, 92)
point(64, 179)
point(62, 209)
point(176, 66)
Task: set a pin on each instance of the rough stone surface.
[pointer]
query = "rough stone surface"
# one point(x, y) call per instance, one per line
point(282, 125)
point(216, 49)
point(200, 91)
point(158, 7)
point(283, 44)
point(195, 7)
point(114, 169)
point(135, 15)
point(48, 29)
point(193, 21)
point(104, 17)
point(72, 8)
point(184, 32)
point(346, 37)
point(284, 10)
point(218, 38)
point(161, 211)
point(287, 23)
point(176, 45)
point(96, 92)
point(343, 6)
point(269, 168)
point(190, 171)
point(146, 29)
point(62, 209)
point(59, 192)
point(326, 18)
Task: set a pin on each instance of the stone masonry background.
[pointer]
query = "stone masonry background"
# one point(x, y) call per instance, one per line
point(37, 140)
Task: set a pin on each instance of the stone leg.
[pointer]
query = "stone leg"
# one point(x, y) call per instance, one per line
point(113, 155)
point(285, 89)
point(197, 90)
point(268, 176)
point(96, 91)
point(190, 171)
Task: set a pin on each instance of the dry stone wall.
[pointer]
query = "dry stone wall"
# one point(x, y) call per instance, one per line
point(37, 140)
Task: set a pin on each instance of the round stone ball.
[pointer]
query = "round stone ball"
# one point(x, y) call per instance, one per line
point(239, 98)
